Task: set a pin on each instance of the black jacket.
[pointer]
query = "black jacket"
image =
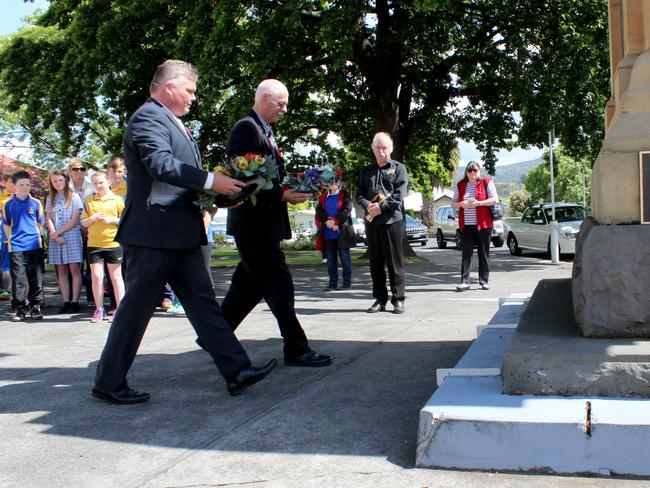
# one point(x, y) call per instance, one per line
point(390, 180)
point(165, 176)
point(268, 219)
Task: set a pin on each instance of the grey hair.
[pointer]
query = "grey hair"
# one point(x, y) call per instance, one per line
point(472, 165)
point(274, 87)
point(172, 70)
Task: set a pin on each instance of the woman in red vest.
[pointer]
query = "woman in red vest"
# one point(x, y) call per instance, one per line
point(473, 196)
point(336, 234)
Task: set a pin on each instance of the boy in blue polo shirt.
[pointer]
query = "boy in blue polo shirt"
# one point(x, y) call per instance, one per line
point(23, 218)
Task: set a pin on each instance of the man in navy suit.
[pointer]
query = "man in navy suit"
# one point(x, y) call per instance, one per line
point(161, 230)
point(258, 229)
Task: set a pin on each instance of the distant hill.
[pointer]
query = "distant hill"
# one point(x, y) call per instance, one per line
point(509, 177)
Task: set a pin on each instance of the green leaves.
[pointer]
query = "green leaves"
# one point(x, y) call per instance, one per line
point(568, 179)
point(428, 71)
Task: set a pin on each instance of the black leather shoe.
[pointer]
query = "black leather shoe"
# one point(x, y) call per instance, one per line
point(125, 396)
point(398, 306)
point(310, 359)
point(376, 307)
point(249, 376)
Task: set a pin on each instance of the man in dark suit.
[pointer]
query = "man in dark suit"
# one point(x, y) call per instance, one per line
point(258, 229)
point(161, 231)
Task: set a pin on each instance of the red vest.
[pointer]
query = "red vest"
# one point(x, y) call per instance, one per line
point(483, 215)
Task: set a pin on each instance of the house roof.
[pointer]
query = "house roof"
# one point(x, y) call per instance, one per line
point(39, 176)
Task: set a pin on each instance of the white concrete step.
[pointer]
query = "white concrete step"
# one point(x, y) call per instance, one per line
point(469, 424)
point(483, 358)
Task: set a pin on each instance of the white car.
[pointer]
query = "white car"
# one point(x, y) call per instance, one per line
point(533, 230)
point(446, 228)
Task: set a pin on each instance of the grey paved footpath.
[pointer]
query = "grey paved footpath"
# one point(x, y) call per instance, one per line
point(353, 424)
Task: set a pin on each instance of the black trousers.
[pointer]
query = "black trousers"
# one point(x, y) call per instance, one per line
point(263, 274)
point(147, 271)
point(26, 270)
point(385, 250)
point(473, 236)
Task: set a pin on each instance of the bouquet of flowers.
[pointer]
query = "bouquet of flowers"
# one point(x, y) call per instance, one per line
point(256, 171)
point(313, 180)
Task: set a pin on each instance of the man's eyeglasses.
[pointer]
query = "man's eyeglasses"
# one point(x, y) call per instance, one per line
point(281, 103)
point(77, 169)
point(475, 170)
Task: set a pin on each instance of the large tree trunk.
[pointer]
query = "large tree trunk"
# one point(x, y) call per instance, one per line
point(428, 210)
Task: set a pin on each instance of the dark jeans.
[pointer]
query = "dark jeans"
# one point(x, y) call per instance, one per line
point(332, 249)
point(26, 270)
point(385, 250)
point(472, 236)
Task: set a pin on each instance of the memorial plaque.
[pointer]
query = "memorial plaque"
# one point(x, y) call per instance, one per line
point(644, 176)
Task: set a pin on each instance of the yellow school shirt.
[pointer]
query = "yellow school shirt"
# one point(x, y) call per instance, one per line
point(120, 190)
point(5, 196)
point(99, 233)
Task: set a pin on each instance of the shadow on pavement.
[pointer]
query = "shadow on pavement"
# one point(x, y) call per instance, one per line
point(366, 404)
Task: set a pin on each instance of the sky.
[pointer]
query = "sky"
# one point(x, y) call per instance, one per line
point(13, 11)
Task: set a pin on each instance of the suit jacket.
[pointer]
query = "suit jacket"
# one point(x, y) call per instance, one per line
point(165, 175)
point(268, 220)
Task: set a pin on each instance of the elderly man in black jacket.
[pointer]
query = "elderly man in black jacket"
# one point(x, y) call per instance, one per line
point(258, 229)
point(382, 188)
point(162, 230)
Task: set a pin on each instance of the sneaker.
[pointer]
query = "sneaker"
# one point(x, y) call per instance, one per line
point(19, 315)
point(35, 312)
point(5, 295)
point(485, 286)
point(98, 316)
point(463, 287)
point(166, 304)
point(65, 308)
point(347, 285)
point(330, 288)
point(74, 307)
point(176, 308)
point(111, 311)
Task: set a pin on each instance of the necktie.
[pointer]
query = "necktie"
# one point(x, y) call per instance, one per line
point(276, 153)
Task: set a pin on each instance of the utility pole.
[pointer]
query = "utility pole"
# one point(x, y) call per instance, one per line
point(584, 192)
point(555, 249)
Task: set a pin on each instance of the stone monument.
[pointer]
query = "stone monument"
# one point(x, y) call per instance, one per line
point(611, 273)
point(583, 336)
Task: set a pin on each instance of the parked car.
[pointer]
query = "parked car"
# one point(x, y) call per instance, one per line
point(446, 228)
point(533, 229)
point(360, 231)
point(416, 231)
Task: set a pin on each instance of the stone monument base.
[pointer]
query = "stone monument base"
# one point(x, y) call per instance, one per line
point(549, 356)
point(469, 423)
point(611, 280)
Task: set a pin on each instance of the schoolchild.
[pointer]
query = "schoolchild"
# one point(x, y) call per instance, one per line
point(101, 216)
point(23, 219)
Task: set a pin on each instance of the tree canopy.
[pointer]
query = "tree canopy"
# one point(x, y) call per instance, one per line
point(568, 177)
point(495, 72)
